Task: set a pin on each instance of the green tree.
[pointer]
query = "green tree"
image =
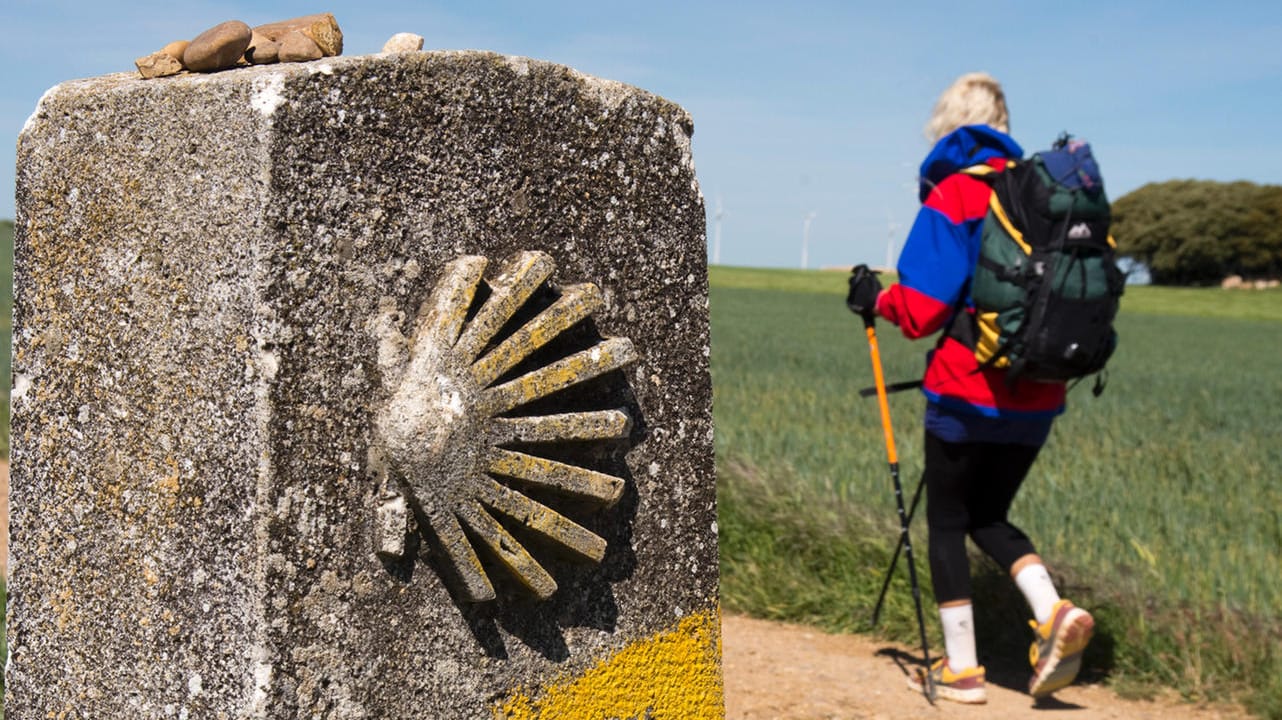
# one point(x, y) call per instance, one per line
point(1196, 232)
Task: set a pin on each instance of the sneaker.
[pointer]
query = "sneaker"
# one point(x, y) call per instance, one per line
point(966, 686)
point(1056, 654)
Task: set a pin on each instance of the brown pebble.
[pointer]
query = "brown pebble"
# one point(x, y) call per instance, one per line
point(218, 48)
point(176, 49)
point(157, 64)
point(322, 28)
point(262, 50)
point(297, 47)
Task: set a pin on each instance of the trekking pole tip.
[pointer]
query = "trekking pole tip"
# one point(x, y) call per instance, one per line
point(927, 685)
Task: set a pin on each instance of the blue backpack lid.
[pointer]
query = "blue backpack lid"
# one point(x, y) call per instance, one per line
point(1072, 165)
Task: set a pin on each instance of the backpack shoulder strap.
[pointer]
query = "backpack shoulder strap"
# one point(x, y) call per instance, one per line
point(984, 171)
point(989, 175)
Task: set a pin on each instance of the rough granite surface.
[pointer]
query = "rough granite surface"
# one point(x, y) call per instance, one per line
point(200, 263)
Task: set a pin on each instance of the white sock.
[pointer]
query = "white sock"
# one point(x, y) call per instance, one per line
point(959, 636)
point(1035, 582)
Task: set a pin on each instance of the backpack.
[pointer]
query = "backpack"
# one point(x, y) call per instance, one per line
point(1046, 287)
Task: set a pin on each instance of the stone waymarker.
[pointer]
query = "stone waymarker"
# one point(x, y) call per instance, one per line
point(374, 387)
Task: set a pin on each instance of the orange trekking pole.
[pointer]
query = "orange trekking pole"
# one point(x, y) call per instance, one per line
point(868, 314)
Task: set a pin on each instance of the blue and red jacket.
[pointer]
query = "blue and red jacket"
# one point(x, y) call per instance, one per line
point(935, 270)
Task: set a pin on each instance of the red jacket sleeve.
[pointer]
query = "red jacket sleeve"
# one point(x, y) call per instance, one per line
point(916, 314)
point(938, 258)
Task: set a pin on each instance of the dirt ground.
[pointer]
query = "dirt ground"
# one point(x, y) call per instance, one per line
point(775, 671)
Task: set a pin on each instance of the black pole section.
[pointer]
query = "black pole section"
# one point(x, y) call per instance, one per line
point(894, 559)
point(928, 685)
point(891, 388)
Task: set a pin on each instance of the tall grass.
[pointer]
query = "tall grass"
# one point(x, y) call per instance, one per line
point(1157, 503)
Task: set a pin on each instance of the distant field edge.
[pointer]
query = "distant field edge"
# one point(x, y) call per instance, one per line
point(1212, 302)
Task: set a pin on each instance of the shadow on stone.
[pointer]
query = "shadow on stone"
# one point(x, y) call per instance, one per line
point(402, 568)
point(584, 598)
point(585, 594)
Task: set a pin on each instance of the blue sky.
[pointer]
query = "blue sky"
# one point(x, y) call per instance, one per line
point(799, 107)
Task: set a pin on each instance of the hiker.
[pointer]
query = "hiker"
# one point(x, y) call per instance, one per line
point(982, 432)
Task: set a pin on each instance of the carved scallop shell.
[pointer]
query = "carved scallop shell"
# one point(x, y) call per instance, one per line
point(447, 427)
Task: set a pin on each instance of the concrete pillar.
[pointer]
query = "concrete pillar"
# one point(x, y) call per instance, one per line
point(372, 387)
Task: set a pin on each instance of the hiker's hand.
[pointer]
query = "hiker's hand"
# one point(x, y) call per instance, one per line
point(864, 288)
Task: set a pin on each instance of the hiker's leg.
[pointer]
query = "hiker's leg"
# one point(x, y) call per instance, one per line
point(1003, 470)
point(946, 476)
point(1006, 466)
point(947, 473)
point(958, 620)
point(1032, 578)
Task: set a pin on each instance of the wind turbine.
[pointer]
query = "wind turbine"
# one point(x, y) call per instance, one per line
point(805, 238)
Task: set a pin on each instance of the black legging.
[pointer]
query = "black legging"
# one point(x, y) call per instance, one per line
point(969, 489)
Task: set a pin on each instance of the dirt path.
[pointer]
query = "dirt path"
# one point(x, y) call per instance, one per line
point(775, 671)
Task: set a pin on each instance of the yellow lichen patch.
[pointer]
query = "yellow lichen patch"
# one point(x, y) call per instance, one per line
point(557, 476)
point(521, 276)
point(566, 427)
point(542, 520)
point(577, 302)
point(440, 319)
point(674, 675)
point(603, 357)
point(509, 552)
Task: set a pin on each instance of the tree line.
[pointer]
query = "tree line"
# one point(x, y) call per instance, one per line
point(1197, 232)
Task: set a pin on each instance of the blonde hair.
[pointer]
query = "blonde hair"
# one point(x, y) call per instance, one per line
point(972, 99)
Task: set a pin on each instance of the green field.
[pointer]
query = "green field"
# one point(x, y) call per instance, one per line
point(1157, 504)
